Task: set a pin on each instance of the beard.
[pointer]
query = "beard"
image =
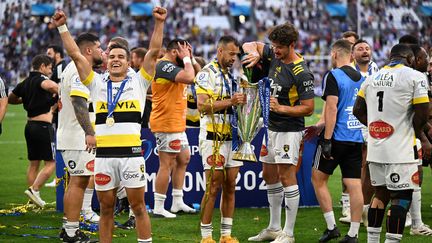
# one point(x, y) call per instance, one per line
point(179, 62)
point(97, 63)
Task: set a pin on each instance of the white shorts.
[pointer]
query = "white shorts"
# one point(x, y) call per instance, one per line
point(78, 162)
point(109, 172)
point(395, 176)
point(283, 147)
point(206, 152)
point(171, 142)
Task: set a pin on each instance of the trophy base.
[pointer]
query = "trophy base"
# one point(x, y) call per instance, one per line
point(245, 153)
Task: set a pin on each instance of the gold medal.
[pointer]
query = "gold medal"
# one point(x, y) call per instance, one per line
point(110, 121)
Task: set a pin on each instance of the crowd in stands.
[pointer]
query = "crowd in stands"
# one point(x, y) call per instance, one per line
point(22, 36)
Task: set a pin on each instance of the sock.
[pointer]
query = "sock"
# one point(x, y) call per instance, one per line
point(88, 195)
point(226, 225)
point(415, 209)
point(206, 230)
point(159, 202)
point(345, 200)
point(373, 234)
point(375, 217)
point(330, 220)
point(149, 240)
point(275, 196)
point(396, 217)
point(354, 229)
point(131, 213)
point(393, 238)
point(177, 195)
point(292, 199)
point(71, 228)
point(64, 221)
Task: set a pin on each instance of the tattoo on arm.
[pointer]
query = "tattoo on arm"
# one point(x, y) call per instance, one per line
point(82, 114)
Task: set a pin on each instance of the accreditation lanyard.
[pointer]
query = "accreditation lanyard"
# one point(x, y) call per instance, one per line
point(394, 63)
point(110, 102)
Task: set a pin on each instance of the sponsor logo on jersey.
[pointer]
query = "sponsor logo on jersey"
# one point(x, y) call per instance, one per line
point(102, 179)
point(263, 151)
point(142, 168)
point(380, 129)
point(130, 175)
point(415, 178)
point(90, 166)
point(175, 144)
point(71, 164)
point(218, 160)
point(76, 172)
point(394, 177)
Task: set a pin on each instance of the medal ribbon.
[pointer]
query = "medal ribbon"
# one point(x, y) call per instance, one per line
point(264, 95)
point(110, 102)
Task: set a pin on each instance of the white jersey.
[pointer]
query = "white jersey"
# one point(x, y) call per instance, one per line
point(70, 135)
point(390, 95)
point(123, 138)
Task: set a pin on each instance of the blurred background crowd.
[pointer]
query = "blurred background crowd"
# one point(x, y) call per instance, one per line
point(26, 32)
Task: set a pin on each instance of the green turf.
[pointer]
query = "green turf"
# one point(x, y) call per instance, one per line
point(247, 222)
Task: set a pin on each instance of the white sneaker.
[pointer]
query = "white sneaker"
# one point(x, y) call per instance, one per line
point(175, 208)
point(266, 235)
point(164, 214)
point(347, 219)
point(90, 216)
point(346, 211)
point(422, 230)
point(408, 220)
point(35, 197)
point(284, 238)
point(51, 184)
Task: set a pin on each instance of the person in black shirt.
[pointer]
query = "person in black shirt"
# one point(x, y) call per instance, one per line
point(36, 94)
point(57, 54)
point(292, 100)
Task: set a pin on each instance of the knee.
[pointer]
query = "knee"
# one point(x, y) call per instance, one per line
point(401, 198)
point(138, 208)
point(229, 187)
point(215, 187)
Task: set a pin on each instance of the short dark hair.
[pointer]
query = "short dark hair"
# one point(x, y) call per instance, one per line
point(118, 45)
point(173, 44)
point(284, 34)
point(342, 45)
point(416, 49)
point(226, 39)
point(350, 33)
point(120, 40)
point(409, 39)
point(401, 50)
point(40, 59)
point(86, 38)
point(57, 49)
point(139, 51)
point(359, 42)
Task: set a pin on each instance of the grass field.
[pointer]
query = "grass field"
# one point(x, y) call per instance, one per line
point(185, 228)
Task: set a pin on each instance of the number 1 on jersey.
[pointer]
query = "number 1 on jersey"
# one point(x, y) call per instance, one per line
point(380, 95)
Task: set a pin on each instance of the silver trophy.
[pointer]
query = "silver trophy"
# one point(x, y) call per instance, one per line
point(249, 121)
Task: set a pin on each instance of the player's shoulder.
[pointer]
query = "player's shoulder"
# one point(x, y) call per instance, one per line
point(301, 71)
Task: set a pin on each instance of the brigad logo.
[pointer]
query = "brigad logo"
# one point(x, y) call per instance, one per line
point(175, 144)
point(216, 160)
point(102, 179)
point(380, 129)
point(90, 166)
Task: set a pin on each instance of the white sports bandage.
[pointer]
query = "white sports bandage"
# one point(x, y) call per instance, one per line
point(187, 60)
point(194, 61)
point(62, 28)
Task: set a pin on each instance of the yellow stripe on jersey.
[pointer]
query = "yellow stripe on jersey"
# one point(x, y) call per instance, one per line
point(420, 100)
point(107, 141)
point(145, 75)
point(89, 78)
point(226, 128)
point(391, 67)
point(193, 117)
point(299, 60)
point(361, 93)
point(162, 81)
point(293, 95)
point(122, 106)
point(79, 94)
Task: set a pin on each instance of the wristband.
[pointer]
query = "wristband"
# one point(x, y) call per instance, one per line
point(62, 28)
point(194, 61)
point(187, 60)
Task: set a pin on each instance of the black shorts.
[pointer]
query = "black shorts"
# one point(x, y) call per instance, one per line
point(347, 155)
point(40, 140)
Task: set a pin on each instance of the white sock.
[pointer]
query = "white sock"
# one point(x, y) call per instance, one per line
point(159, 202)
point(88, 195)
point(275, 196)
point(373, 234)
point(292, 199)
point(393, 238)
point(226, 226)
point(64, 221)
point(354, 229)
point(345, 200)
point(131, 213)
point(177, 195)
point(330, 220)
point(415, 209)
point(149, 240)
point(206, 230)
point(71, 228)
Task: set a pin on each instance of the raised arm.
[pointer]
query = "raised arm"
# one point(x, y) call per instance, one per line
point(84, 68)
point(187, 74)
point(155, 46)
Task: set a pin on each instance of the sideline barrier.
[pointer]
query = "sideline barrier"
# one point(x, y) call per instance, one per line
point(250, 189)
